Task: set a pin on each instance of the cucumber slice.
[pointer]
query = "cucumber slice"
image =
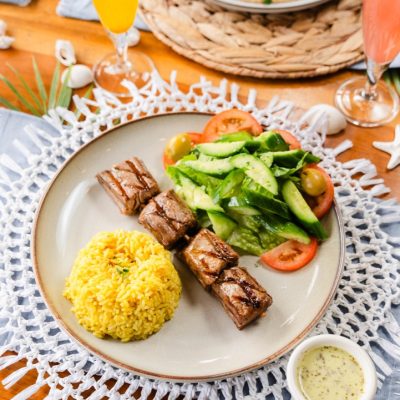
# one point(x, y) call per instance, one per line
point(267, 158)
point(230, 186)
point(196, 198)
point(241, 206)
point(203, 157)
point(283, 172)
point(220, 149)
point(251, 144)
point(202, 219)
point(259, 197)
point(235, 137)
point(257, 170)
point(267, 204)
point(272, 141)
point(213, 167)
point(301, 210)
point(285, 229)
point(222, 224)
point(291, 158)
point(245, 210)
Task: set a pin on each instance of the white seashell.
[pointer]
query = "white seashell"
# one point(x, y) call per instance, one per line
point(3, 27)
point(336, 120)
point(6, 42)
point(65, 52)
point(80, 76)
point(133, 37)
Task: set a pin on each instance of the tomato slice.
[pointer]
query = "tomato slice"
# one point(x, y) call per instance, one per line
point(195, 138)
point(230, 121)
point(321, 204)
point(289, 139)
point(290, 255)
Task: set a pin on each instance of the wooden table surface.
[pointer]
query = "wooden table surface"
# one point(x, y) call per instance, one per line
point(37, 27)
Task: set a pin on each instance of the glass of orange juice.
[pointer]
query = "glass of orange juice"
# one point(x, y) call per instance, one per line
point(117, 16)
point(372, 102)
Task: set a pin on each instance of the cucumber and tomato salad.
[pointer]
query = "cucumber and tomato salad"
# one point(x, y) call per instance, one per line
point(257, 190)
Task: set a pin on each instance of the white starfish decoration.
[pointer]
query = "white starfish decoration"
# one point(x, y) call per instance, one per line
point(393, 148)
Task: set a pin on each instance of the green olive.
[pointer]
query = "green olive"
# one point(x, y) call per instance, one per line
point(312, 182)
point(178, 147)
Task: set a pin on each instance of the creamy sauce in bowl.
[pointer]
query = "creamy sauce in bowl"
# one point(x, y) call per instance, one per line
point(329, 373)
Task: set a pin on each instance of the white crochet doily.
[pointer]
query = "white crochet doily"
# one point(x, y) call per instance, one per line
point(361, 309)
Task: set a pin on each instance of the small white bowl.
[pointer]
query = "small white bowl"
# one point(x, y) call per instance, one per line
point(351, 347)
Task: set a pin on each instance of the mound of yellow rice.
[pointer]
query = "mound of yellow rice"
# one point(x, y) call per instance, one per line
point(123, 285)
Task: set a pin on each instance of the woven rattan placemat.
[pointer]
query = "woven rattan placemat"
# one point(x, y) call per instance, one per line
point(294, 45)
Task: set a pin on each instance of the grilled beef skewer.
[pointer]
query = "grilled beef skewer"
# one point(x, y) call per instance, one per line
point(214, 263)
point(242, 297)
point(129, 184)
point(207, 255)
point(168, 218)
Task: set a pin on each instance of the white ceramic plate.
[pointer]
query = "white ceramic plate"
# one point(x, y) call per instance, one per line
point(200, 342)
point(274, 8)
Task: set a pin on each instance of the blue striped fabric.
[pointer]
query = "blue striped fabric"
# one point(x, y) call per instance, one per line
point(17, 2)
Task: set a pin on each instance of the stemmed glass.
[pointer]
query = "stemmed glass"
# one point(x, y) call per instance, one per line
point(372, 102)
point(117, 17)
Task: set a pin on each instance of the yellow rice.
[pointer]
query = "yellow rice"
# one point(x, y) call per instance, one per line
point(123, 285)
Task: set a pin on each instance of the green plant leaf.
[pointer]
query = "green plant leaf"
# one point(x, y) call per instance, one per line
point(7, 104)
point(60, 94)
point(40, 85)
point(65, 98)
point(387, 78)
point(65, 95)
point(88, 91)
point(396, 79)
point(36, 100)
point(21, 98)
point(54, 86)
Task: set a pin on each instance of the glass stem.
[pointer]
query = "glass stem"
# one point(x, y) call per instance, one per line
point(120, 41)
point(374, 73)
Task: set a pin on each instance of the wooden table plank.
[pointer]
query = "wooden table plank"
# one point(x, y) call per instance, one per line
point(37, 27)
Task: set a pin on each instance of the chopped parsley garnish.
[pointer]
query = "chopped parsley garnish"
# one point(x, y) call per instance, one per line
point(121, 265)
point(122, 270)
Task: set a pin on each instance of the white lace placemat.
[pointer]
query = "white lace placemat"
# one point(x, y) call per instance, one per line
point(361, 309)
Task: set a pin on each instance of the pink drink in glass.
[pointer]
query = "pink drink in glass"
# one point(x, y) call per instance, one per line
point(381, 28)
point(372, 102)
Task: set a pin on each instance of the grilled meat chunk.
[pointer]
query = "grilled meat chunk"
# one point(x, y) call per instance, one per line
point(168, 218)
point(207, 255)
point(129, 184)
point(243, 298)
